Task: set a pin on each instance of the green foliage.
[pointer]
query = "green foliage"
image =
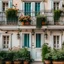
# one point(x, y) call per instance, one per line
point(39, 20)
point(58, 55)
point(48, 56)
point(45, 50)
point(57, 14)
point(55, 55)
point(11, 14)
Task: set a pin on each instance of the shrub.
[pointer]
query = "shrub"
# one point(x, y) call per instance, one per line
point(57, 14)
point(45, 50)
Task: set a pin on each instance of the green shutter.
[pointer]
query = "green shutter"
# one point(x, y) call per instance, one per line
point(37, 8)
point(38, 40)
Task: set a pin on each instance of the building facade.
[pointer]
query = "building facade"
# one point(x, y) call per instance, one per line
point(30, 36)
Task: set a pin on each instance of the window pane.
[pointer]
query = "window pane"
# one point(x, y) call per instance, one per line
point(37, 8)
point(38, 40)
point(26, 40)
point(27, 8)
point(5, 41)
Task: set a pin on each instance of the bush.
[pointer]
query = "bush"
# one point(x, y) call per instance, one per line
point(55, 55)
point(39, 20)
point(45, 50)
point(57, 14)
point(22, 54)
point(58, 56)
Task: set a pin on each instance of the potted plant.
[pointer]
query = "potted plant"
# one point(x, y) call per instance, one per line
point(40, 20)
point(25, 20)
point(57, 15)
point(11, 14)
point(16, 58)
point(45, 50)
point(9, 57)
point(48, 58)
point(1, 58)
point(58, 57)
point(26, 56)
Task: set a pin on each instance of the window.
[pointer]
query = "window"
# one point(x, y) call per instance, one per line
point(56, 42)
point(27, 8)
point(37, 8)
point(5, 42)
point(26, 40)
point(56, 5)
point(38, 40)
point(5, 6)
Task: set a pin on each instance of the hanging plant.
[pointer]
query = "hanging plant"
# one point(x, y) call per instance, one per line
point(11, 14)
point(40, 20)
point(57, 14)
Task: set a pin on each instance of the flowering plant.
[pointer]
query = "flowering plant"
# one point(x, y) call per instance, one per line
point(25, 18)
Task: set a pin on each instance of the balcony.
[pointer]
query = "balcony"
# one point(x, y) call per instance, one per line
point(49, 14)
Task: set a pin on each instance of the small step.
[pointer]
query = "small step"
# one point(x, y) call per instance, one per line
point(37, 62)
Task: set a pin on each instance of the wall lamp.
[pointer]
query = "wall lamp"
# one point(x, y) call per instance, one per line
point(33, 32)
point(46, 35)
point(18, 35)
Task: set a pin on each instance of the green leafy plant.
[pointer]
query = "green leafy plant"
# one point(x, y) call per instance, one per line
point(11, 14)
point(45, 50)
point(39, 20)
point(57, 14)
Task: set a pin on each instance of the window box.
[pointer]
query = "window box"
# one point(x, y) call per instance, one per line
point(25, 20)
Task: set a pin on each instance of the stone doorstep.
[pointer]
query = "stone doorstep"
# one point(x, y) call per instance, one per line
point(37, 62)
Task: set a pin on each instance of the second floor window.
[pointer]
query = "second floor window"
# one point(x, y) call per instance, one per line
point(27, 8)
point(5, 5)
point(56, 5)
point(37, 8)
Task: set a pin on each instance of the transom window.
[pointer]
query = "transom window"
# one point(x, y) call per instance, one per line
point(56, 42)
point(5, 41)
point(56, 5)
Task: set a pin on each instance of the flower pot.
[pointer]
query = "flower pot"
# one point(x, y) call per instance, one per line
point(43, 23)
point(58, 62)
point(0, 61)
point(26, 62)
point(22, 23)
point(8, 62)
point(47, 61)
point(17, 62)
point(27, 23)
point(56, 23)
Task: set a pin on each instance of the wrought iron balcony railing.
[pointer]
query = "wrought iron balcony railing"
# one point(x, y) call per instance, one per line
point(49, 14)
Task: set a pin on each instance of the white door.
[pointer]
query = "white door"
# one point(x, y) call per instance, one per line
point(36, 46)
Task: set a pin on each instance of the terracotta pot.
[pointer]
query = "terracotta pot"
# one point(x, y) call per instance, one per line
point(47, 61)
point(8, 62)
point(43, 23)
point(56, 23)
point(58, 62)
point(26, 62)
point(17, 62)
point(22, 23)
point(27, 23)
point(0, 61)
